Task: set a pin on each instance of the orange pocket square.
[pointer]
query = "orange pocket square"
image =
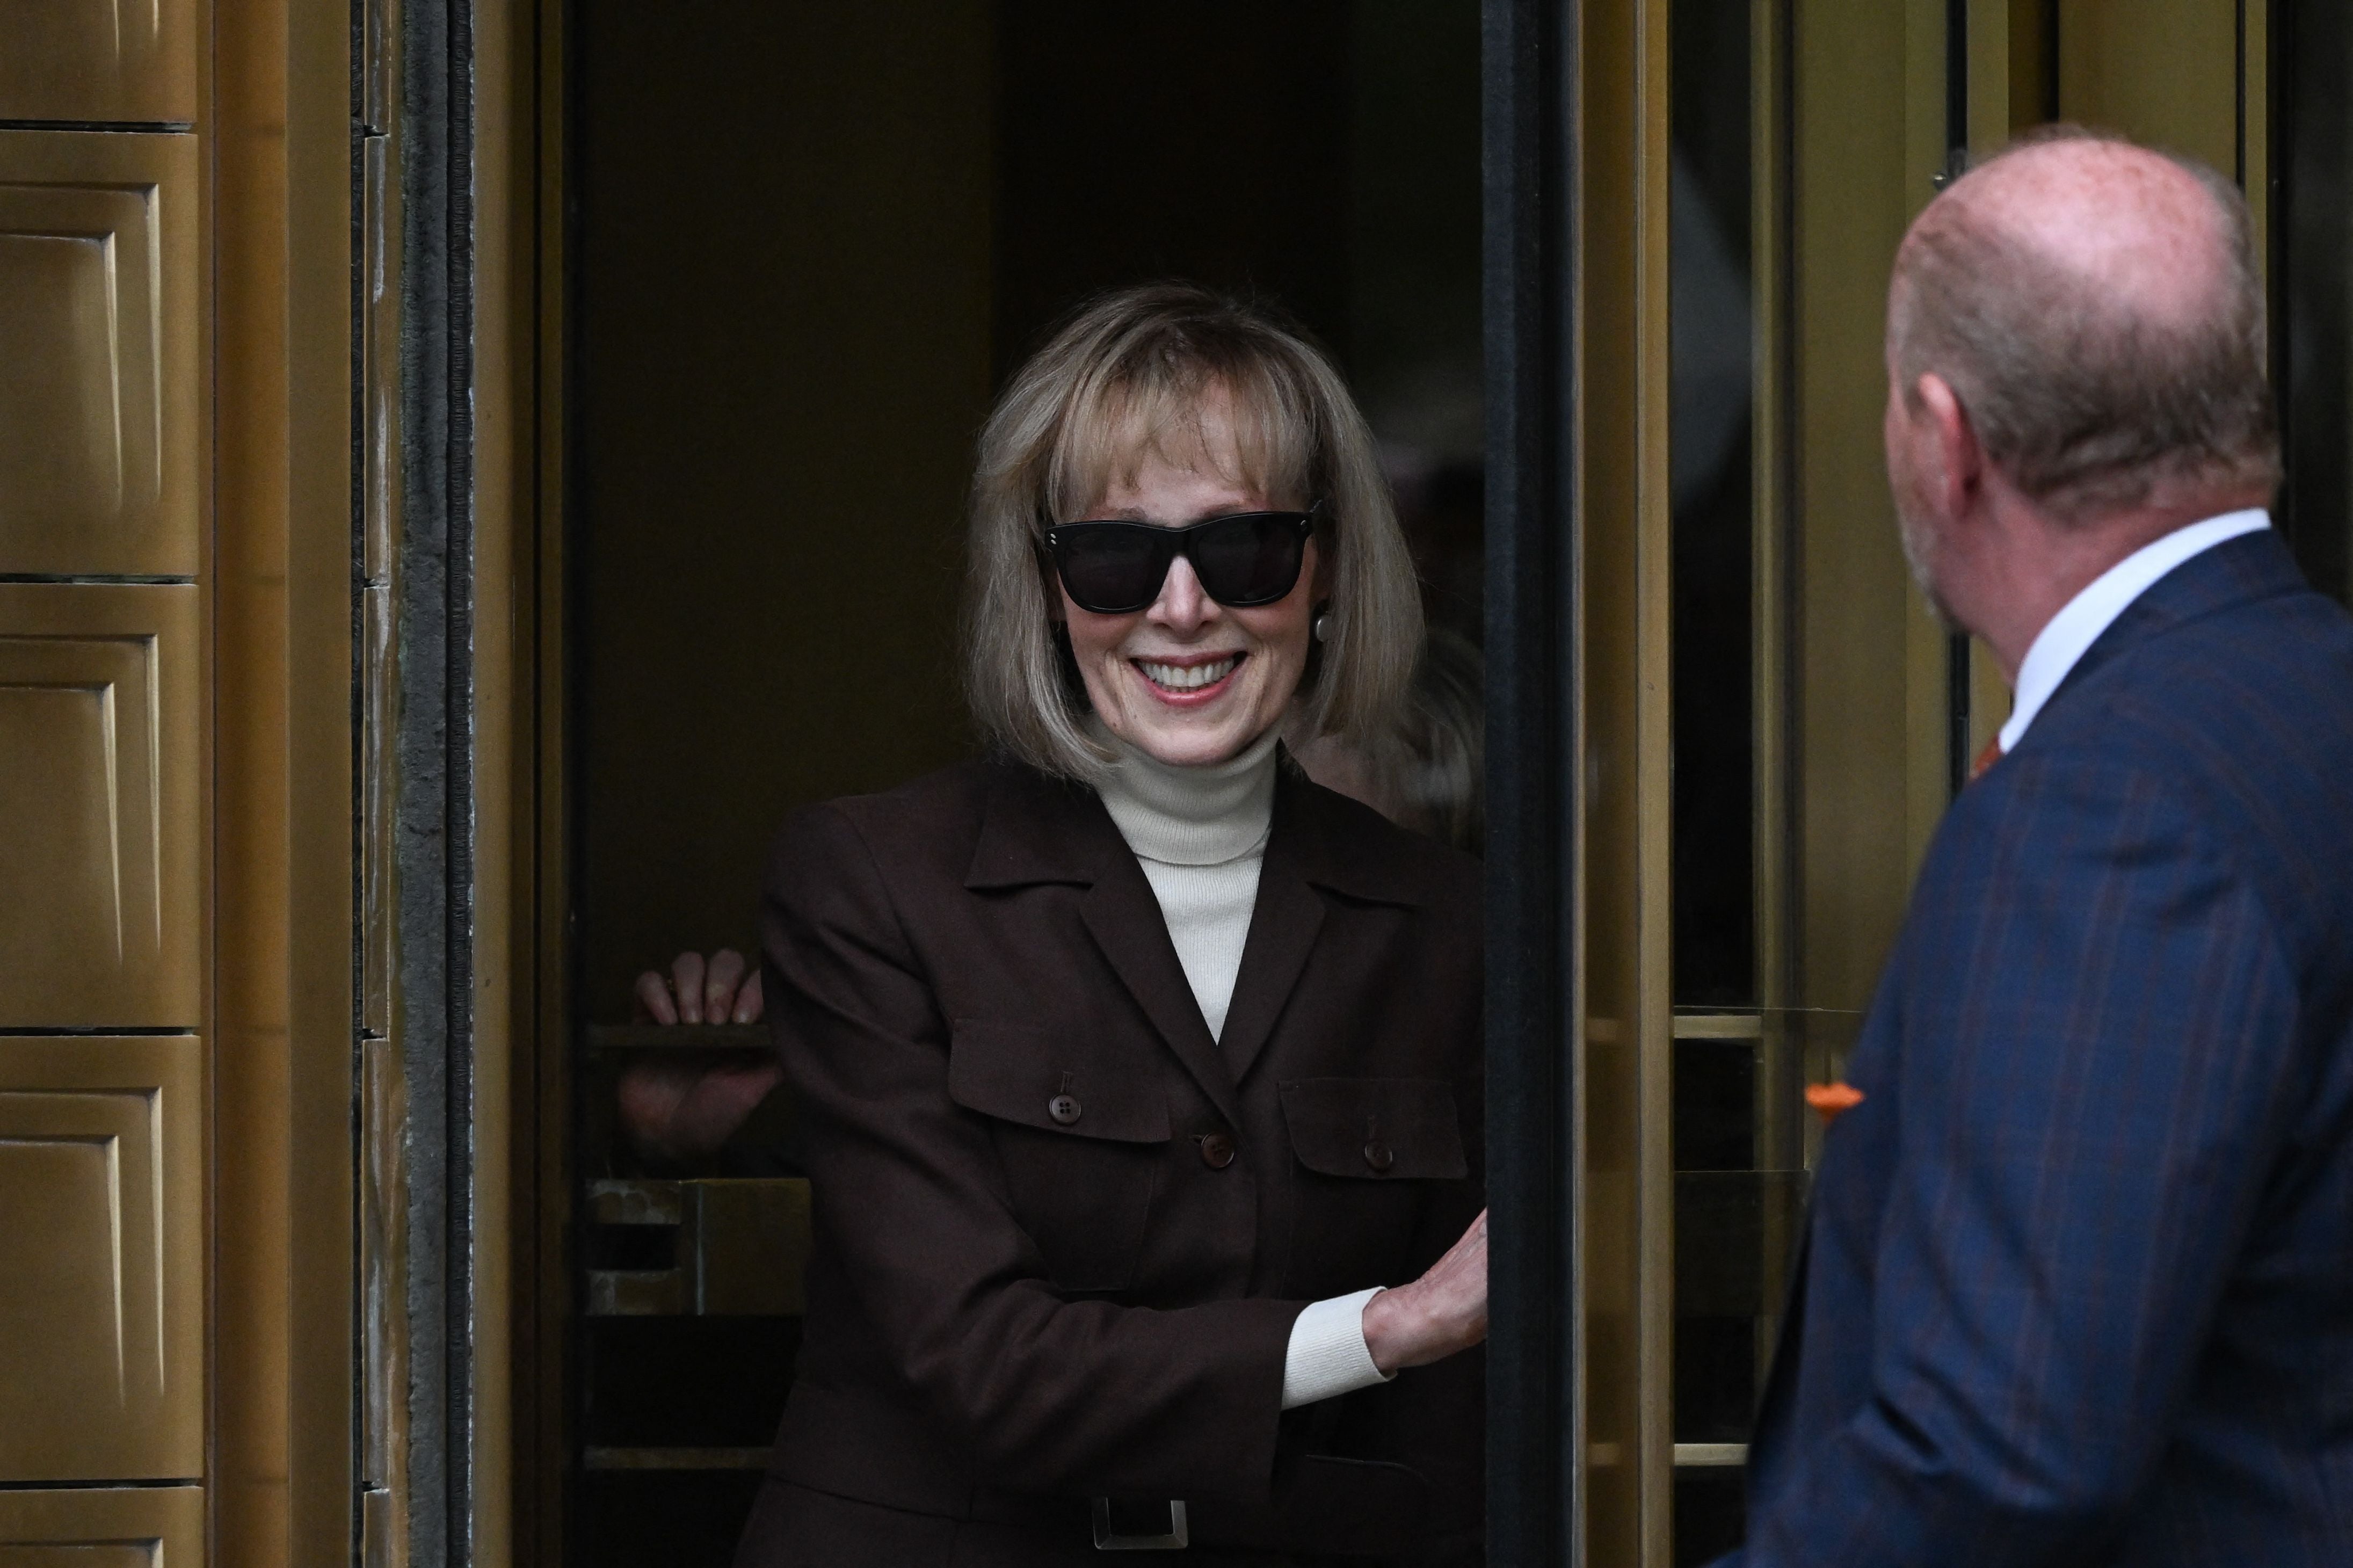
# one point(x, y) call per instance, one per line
point(1832, 1099)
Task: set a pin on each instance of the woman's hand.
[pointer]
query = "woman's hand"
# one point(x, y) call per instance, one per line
point(1443, 1312)
point(719, 992)
point(681, 1111)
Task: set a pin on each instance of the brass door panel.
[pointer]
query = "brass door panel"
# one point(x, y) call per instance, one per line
point(99, 443)
point(99, 803)
point(128, 1527)
point(102, 1257)
point(2163, 71)
point(98, 59)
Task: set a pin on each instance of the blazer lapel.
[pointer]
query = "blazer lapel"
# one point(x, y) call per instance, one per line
point(1041, 830)
point(1124, 917)
point(1284, 922)
point(1309, 849)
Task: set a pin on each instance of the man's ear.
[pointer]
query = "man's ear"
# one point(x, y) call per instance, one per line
point(1959, 459)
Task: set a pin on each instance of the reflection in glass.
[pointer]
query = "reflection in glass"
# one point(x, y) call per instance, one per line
point(1728, 1216)
point(2312, 301)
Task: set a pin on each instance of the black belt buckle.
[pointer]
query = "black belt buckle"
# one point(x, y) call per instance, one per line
point(1177, 1539)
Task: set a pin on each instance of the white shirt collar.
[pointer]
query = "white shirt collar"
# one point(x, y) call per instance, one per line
point(2071, 633)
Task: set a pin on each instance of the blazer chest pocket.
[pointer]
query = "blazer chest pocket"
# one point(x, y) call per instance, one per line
point(1080, 1141)
point(1367, 1146)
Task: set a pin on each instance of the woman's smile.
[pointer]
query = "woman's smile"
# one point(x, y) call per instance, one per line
point(1189, 681)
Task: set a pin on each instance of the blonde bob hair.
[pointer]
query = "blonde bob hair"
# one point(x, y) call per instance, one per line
point(1127, 377)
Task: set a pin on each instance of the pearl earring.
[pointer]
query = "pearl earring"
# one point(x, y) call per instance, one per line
point(1324, 626)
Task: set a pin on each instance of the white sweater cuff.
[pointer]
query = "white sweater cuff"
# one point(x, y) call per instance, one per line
point(1328, 1356)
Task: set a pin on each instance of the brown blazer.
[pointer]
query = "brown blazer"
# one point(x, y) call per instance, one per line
point(1062, 1233)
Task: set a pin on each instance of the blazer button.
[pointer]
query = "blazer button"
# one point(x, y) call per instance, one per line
point(1378, 1155)
point(1063, 1109)
point(1216, 1151)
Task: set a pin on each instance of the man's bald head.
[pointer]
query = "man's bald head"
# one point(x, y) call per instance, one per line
point(2096, 309)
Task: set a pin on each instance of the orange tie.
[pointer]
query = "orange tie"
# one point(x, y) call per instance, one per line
point(1987, 758)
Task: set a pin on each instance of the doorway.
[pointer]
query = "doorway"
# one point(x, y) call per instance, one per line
point(425, 788)
point(1630, 393)
point(809, 243)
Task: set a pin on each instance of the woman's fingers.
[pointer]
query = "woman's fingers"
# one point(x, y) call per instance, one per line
point(682, 1109)
point(686, 970)
point(749, 1002)
point(719, 983)
point(653, 998)
point(721, 990)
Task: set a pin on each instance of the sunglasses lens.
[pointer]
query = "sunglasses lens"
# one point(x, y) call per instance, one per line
point(1111, 571)
point(1250, 560)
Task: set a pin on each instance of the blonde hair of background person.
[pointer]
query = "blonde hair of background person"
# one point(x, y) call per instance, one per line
point(1426, 770)
point(1142, 361)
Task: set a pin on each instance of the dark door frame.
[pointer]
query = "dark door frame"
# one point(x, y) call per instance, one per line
point(1529, 198)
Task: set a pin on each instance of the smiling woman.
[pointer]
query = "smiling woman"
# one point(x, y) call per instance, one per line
point(1169, 406)
point(1134, 1066)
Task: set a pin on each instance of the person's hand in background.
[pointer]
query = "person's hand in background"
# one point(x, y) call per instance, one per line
point(721, 990)
point(681, 1108)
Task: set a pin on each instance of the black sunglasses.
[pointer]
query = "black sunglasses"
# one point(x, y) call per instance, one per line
point(1247, 558)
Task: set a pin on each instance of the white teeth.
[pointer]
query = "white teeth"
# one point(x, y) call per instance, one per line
point(1188, 678)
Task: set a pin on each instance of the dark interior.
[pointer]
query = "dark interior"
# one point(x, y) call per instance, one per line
point(808, 242)
point(2312, 310)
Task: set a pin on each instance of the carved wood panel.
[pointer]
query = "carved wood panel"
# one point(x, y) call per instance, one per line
point(99, 448)
point(99, 807)
point(98, 59)
point(102, 1257)
point(103, 1526)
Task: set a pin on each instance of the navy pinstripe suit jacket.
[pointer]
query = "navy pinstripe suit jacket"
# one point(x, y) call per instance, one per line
point(2078, 1281)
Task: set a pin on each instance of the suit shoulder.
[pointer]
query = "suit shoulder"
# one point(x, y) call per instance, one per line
point(934, 817)
point(1368, 852)
point(2253, 700)
point(956, 792)
point(2237, 727)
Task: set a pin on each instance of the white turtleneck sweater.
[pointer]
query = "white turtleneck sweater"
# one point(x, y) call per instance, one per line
point(1200, 835)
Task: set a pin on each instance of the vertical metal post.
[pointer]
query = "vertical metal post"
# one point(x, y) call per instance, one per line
point(1958, 754)
point(433, 760)
point(1533, 1485)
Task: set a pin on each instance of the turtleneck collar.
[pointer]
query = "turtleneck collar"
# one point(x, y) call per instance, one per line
point(1192, 817)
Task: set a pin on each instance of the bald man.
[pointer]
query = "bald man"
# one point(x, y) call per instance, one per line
point(2077, 1286)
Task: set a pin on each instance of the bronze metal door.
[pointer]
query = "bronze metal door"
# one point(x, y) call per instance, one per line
point(1767, 723)
point(102, 798)
point(205, 1210)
